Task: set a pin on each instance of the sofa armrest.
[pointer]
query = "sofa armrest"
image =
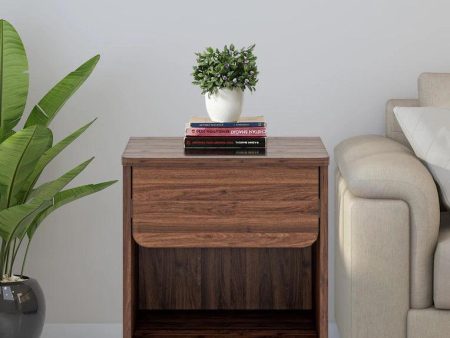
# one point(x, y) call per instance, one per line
point(376, 167)
point(372, 285)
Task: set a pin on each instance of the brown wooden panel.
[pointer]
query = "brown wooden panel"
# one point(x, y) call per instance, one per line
point(225, 324)
point(279, 279)
point(142, 150)
point(321, 260)
point(170, 279)
point(143, 211)
point(226, 279)
point(219, 216)
point(229, 209)
point(235, 173)
point(195, 223)
point(148, 192)
point(224, 239)
point(129, 260)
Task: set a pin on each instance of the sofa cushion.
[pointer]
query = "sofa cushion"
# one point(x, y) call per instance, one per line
point(428, 323)
point(380, 168)
point(393, 129)
point(434, 90)
point(442, 266)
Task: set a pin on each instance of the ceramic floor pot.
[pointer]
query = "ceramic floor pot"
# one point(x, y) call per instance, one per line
point(22, 309)
point(225, 105)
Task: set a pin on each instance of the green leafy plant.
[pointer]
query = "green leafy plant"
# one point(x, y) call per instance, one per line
point(228, 68)
point(24, 154)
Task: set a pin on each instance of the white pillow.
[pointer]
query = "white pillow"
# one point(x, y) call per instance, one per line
point(428, 131)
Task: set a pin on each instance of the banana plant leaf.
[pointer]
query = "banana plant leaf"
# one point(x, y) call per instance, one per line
point(12, 218)
point(48, 190)
point(47, 157)
point(65, 197)
point(19, 154)
point(13, 79)
point(47, 108)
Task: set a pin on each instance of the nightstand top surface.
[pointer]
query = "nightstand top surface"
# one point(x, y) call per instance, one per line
point(142, 149)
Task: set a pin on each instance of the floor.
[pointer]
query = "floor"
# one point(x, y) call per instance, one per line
point(108, 331)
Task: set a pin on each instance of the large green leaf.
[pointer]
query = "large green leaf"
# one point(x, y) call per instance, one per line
point(49, 155)
point(19, 154)
point(65, 197)
point(47, 108)
point(21, 229)
point(12, 218)
point(48, 190)
point(13, 79)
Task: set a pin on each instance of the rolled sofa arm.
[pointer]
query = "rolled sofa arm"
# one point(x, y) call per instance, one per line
point(372, 270)
point(376, 167)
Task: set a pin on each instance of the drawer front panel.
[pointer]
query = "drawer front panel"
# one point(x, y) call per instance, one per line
point(232, 199)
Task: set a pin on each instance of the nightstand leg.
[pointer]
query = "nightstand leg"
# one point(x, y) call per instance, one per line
point(129, 260)
point(321, 259)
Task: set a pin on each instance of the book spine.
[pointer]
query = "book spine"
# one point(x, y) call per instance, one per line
point(227, 124)
point(241, 132)
point(225, 151)
point(224, 142)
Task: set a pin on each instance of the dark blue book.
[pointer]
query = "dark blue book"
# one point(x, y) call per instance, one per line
point(244, 122)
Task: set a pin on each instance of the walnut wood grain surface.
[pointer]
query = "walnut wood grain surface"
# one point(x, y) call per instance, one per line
point(300, 149)
point(177, 205)
point(225, 324)
point(129, 260)
point(225, 279)
point(321, 259)
point(225, 232)
point(225, 240)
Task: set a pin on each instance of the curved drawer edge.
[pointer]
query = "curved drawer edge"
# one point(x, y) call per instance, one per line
point(225, 239)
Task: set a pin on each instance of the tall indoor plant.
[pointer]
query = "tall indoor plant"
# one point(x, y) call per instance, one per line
point(24, 154)
point(223, 75)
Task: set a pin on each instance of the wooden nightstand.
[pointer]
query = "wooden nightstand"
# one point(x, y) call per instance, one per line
point(225, 246)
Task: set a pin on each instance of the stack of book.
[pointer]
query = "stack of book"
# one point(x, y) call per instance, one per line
point(246, 136)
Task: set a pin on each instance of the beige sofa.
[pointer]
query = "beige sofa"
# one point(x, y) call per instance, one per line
point(392, 239)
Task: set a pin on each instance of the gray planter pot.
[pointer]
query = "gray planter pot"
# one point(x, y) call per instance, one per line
point(22, 309)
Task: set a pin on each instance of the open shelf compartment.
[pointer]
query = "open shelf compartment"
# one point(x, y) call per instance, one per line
point(225, 293)
point(226, 323)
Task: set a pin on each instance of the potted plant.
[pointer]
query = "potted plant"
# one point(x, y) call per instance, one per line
point(223, 75)
point(24, 204)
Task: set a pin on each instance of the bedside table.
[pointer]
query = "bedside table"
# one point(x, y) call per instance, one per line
point(225, 246)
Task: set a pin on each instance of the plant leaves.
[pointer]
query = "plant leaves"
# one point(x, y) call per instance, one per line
point(18, 155)
point(13, 79)
point(229, 68)
point(47, 108)
point(48, 190)
point(47, 157)
point(12, 218)
point(65, 197)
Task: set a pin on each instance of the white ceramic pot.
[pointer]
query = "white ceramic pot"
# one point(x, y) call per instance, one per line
point(225, 106)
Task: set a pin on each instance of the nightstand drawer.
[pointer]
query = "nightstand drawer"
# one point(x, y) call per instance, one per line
point(224, 206)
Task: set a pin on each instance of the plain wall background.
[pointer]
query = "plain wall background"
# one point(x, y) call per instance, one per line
point(326, 68)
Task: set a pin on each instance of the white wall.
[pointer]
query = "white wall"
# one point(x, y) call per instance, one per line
point(327, 68)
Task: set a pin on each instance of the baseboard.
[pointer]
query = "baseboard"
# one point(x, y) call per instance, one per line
point(82, 331)
point(110, 331)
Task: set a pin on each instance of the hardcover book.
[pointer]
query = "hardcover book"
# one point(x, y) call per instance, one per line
point(224, 142)
point(249, 121)
point(226, 151)
point(238, 131)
